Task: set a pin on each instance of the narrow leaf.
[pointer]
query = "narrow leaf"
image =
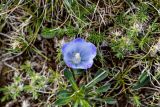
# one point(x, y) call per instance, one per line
point(84, 103)
point(110, 100)
point(69, 76)
point(63, 94)
point(98, 78)
point(143, 80)
point(63, 101)
point(103, 88)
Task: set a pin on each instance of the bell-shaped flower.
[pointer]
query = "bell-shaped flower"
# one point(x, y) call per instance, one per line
point(79, 54)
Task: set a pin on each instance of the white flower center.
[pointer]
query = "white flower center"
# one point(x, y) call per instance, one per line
point(77, 58)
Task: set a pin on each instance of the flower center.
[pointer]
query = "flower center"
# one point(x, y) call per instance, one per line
point(77, 58)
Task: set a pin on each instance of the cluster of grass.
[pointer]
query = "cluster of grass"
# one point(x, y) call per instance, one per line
point(126, 70)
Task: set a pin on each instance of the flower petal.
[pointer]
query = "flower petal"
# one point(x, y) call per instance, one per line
point(93, 49)
point(85, 64)
point(68, 48)
point(87, 52)
point(78, 40)
point(64, 47)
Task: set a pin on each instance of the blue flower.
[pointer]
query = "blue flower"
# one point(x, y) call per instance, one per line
point(79, 54)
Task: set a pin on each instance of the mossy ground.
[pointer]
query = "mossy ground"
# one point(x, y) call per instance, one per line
point(125, 32)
